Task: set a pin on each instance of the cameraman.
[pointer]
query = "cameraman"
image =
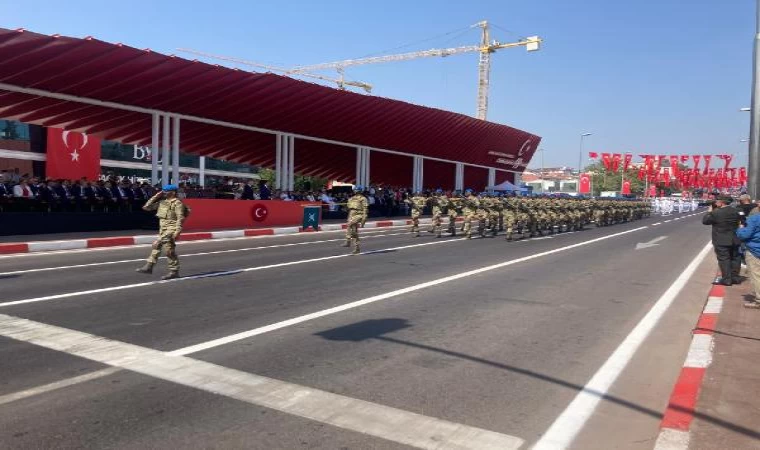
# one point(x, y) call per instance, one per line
point(724, 220)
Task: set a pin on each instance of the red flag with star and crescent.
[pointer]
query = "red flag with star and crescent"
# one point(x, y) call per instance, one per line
point(72, 155)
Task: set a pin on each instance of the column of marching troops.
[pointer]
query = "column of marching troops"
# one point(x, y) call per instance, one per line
point(521, 216)
point(493, 213)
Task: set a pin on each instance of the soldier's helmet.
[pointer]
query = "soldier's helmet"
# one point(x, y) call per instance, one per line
point(358, 188)
point(467, 191)
point(439, 191)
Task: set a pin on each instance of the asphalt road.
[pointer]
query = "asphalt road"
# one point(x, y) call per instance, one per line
point(288, 342)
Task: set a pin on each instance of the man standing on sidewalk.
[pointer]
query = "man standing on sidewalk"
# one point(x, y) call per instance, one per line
point(171, 213)
point(725, 220)
point(749, 233)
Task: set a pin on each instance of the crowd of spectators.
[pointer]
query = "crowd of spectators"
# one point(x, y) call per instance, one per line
point(24, 193)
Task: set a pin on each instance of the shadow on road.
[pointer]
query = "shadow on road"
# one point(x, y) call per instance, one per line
point(377, 328)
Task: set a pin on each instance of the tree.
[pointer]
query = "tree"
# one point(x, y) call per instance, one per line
point(604, 180)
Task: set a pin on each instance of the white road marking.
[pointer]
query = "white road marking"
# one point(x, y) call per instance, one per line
point(297, 320)
point(655, 224)
point(700, 351)
point(56, 385)
point(376, 234)
point(567, 426)
point(668, 220)
point(340, 411)
point(714, 305)
point(147, 240)
point(214, 274)
point(671, 439)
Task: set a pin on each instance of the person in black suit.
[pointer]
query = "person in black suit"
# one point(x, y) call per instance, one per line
point(724, 220)
point(247, 191)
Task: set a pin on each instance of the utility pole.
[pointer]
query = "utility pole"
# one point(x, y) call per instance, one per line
point(753, 182)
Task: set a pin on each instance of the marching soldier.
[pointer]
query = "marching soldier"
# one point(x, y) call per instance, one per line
point(455, 207)
point(357, 216)
point(417, 203)
point(438, 202)
point(171, 213)
point(471, 205)
point(510, 216)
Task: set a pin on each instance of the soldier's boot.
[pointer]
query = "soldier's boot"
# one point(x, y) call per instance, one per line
point(357, 250)
point(438, 233)
point(509, 236)
point(494, 232)
point(147, 268)
point(347, 243)
point(172, 274)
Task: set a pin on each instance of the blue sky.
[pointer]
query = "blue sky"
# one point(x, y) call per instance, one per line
point(665, 76)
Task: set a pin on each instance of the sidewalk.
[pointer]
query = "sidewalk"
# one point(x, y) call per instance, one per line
point(715, 404)
point(73, 241)
point(728, 411)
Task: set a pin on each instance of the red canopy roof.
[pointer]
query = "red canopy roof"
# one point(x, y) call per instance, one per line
point(141, 78)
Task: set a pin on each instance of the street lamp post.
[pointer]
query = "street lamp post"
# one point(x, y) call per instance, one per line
point(542, 169)
point(580, 160)
point(753, 183)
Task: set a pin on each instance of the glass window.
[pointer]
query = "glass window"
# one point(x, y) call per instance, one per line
point(13, 131)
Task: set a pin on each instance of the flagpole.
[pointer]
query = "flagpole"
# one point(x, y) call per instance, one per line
point(753, 161)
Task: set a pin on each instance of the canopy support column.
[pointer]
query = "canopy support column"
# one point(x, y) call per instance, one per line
point(491, 179)
point(459, 178)
point(202, 171)
point(362, 166)
point(175, 150)
point(165, 151)
point(291, 162)
point(154, 149)
point(278, 162)
point(417, 178)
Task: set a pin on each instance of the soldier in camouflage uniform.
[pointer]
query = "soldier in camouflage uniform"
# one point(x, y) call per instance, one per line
point(417, 203)
point(471, 204)
point(357, 216)
point(510, 216)
point(483, 213)
point(454, 208)
point(437, 202)
point(171, 213)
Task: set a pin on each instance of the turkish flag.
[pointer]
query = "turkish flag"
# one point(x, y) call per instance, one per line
point(616, 162)
point(607, 161)
point(674, 165)
point(696, 160)
point(627, 161)
point(707, 159)
point(593, 155)
point(652, 191)
point(72, 155)
point(626, 187)
point(684, 159)
point(585, 184)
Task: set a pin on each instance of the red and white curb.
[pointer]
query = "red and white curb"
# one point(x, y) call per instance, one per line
point(76, 244)
point(676, 423)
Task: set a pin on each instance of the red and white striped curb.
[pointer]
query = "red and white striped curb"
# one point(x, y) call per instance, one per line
point(75, 244)
point(676, 423)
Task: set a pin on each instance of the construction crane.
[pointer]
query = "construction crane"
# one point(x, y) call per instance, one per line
point(341, 82)
point(485, 49)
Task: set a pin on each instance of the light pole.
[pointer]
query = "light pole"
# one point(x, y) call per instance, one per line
point(542, 169)
point(753, 182)
point(580, 160)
